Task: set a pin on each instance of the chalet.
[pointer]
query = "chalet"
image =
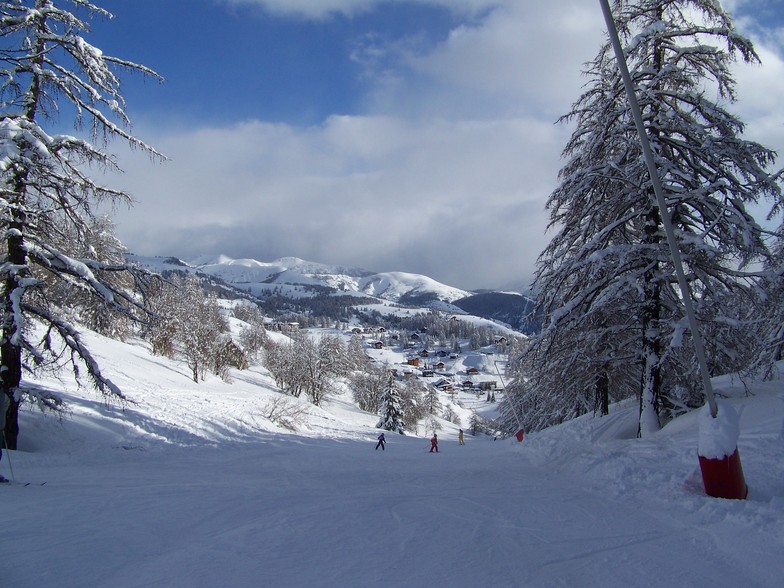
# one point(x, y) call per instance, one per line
point(413, 361)
point(234, 356)
point(440, 365)
point(377, 345)
point(472, 371)
point(468, 384)
point(444, 385)
point(428, 373)
point(414, 336)
point(424, 353)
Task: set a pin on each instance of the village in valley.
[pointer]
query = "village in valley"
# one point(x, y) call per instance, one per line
point(468, 381)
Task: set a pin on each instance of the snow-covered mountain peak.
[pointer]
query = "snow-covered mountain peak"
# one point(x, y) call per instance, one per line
point(253, 275)
point(396, 285)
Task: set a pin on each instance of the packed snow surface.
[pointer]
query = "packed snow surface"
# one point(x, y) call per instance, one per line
point(191, 486)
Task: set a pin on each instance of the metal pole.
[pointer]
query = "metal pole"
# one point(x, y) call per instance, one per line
point(509, 400)
point(659, 191)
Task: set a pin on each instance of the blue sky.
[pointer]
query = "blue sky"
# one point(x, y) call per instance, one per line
point(412, 136)
point(231, 62)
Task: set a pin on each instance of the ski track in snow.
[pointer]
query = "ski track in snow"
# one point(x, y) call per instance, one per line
point(296, 511)
point(191, 486)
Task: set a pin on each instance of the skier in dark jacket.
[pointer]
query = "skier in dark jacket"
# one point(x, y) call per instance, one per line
point(381, 442)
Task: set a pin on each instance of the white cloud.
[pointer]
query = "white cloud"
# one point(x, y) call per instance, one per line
point(446, 173)
point(455, 200)
point(319, 9)
point(520, 58)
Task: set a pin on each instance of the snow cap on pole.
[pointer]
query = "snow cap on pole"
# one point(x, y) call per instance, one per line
point(718, 437)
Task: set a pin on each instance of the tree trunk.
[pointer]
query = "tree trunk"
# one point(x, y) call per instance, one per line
point(603, 393)
point(651, 335)
point(13, 291)
point(11, 431)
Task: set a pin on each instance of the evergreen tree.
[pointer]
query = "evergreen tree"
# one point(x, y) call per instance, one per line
point(433, 400)
point(606, 280)
point(412, 401)
point(769, 341)
point(390, 411)
point(49, 72)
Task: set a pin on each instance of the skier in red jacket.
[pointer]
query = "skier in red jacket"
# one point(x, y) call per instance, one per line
point(434, 443)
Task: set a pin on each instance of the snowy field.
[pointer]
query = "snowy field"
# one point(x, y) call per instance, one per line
point(191, 486)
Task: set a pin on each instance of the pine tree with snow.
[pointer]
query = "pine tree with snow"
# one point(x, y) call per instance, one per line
point(390, 411)
point(49, 72)
point(769, 348)
point(607, 284)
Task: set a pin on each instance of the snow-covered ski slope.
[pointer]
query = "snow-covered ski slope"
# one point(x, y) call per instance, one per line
point(191, 486)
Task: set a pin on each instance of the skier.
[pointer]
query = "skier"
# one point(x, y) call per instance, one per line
point(4, 404)
point(434, 443)
point(381, 442)
point(460, 439)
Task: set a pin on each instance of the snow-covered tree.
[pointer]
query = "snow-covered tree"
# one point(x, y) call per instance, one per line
point(769, 347)
point(412, 401)
point(161, 329)
point(357, 355)
point(188, 324)
point(325, 362)
point(432, 400)
point(606, 279)
point(391, 413)
point(49, 73)
point(280, 360)
point(85, 306)
point(308, 366)
point(368, 386)
point(253, 335)
point(202, 329)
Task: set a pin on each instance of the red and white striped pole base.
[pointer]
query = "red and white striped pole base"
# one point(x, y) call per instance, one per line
point(722, 473)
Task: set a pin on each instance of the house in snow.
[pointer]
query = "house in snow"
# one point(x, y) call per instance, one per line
point(444, 385)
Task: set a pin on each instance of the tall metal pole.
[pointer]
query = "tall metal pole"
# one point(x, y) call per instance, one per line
point(634, 105)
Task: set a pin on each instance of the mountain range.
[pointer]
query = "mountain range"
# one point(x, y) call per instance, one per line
point(292, 282)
